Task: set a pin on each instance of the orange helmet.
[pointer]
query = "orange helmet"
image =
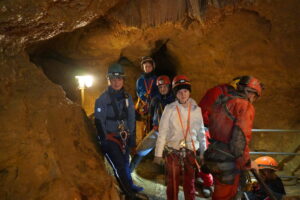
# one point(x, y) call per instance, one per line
point(163, 80)
point(251, 84)
point(147, 59)
point(181, 82)
point(266, 162)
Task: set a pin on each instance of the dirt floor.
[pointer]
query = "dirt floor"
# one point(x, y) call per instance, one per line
point(151, 177)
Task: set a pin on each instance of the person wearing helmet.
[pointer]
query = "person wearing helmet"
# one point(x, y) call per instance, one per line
point(159, 102)
point(230, 125)
point(206, 103)
point(267, 167)
point(115, 123)
point(157, 106)
point(181, 139)
point(146, 88)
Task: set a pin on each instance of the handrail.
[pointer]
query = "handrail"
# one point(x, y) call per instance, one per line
point(276, 153)
point(273, 153)
point(275, 130)
point(283, 177)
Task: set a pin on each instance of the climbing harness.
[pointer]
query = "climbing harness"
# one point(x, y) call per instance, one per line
point(185, 133)
point(123, 135)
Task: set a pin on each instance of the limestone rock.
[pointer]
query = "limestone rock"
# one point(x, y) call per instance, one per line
point(47, 143)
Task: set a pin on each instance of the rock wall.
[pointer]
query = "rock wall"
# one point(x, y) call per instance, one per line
point(47, 147)
point(48, 151)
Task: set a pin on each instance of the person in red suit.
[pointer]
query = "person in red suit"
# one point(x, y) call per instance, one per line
point(230, 124)
point(206, 103)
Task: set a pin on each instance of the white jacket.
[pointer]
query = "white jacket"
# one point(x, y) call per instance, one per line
point(170, 130)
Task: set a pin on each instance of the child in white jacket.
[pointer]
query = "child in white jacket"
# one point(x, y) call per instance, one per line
point(182, 139)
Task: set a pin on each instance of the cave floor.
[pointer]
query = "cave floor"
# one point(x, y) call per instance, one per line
point(151, 177)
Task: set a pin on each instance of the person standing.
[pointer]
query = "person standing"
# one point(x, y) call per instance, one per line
point(181, 138)
point(206, 104)
point(211, 96)
point(157, 106)
point(230, 125)
point(146, 89)
point(115, 123)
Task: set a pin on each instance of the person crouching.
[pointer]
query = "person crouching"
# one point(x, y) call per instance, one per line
point(267, 169)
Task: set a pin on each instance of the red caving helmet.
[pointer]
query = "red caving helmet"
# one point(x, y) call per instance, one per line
point(181, 82)
point(163, 80)
point(251, 84)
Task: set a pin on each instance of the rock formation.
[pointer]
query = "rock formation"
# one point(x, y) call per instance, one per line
point(48, 150)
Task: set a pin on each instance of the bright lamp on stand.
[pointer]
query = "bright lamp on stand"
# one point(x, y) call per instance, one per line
point(84, 82)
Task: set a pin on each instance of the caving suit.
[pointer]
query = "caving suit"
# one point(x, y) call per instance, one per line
point(230, 127)
point(114, 114)
point(181, 135)
point(206, 104)
point(210, 97)
point(146, 89)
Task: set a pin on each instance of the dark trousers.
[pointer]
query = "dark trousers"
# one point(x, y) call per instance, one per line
point(120, 164)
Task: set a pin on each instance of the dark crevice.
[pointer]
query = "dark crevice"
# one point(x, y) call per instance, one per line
point(165, 62)
point(60, 70)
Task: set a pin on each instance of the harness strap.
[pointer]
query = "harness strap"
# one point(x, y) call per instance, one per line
point(185, 133)
point(112, 137)
point(148, 87)
point(119, 115)
point(140, 103)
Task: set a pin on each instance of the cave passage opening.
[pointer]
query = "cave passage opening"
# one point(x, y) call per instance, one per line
point(61, 69)
point(166, 63)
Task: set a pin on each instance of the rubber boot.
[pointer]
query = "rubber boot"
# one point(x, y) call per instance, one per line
point(206, 191)
point(134, 187)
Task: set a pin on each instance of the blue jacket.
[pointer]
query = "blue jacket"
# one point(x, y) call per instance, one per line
point(157, 106)
point(141, 88)
point(105, 117)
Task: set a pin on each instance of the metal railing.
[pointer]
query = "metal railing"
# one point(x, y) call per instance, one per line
point(276, 153)
point(274, 131)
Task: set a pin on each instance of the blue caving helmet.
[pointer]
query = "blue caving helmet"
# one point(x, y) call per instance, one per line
point(115, 70)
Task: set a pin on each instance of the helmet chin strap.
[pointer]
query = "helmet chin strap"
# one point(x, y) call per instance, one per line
point(246, 93)
point(183, 102)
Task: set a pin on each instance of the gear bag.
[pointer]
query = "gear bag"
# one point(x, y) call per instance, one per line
point(218, 152)
point(224, 171)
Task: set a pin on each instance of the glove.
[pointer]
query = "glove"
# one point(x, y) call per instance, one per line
point(159, 160)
